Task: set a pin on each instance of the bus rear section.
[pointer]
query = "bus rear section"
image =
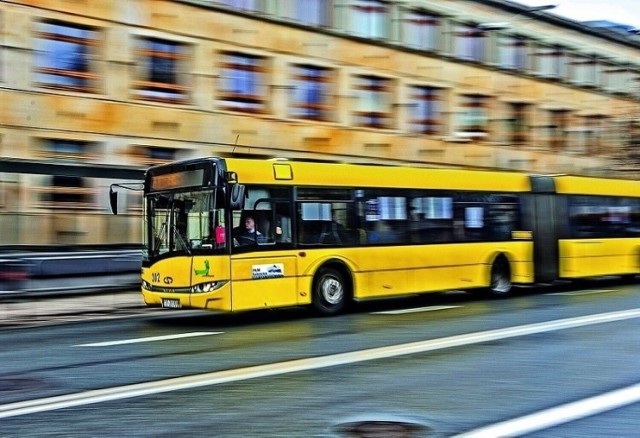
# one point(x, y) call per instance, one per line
point(585, 227)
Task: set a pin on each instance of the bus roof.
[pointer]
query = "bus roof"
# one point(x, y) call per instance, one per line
point(584, 185)
point(361, 175)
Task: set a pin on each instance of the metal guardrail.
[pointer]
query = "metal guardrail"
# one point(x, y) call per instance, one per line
point(70, 272)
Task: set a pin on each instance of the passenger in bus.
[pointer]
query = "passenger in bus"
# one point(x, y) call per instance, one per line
point(249, 235)
point(334, 232)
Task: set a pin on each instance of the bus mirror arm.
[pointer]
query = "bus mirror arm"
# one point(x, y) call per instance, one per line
point(113, 195)
point(231, 177)
point(113, 200)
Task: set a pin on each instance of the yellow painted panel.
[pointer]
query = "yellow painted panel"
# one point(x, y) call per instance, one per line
point(386, 271)
point(353, 175)
point(595, 257)
point(219, 299)
point(284, 278)
point(264, 281)
point(282, 171)
point(169, 273)
point(596, 186)
point(170, 276)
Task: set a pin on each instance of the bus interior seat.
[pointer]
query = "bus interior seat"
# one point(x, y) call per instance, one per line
point(263, 224)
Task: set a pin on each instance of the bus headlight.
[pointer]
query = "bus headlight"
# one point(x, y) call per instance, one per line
point(146, 285)
point(207, 287)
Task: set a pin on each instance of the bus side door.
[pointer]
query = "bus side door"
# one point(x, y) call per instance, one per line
point(264, 273)
point(263, 281)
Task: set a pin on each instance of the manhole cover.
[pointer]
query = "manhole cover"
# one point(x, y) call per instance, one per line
point(379, 427)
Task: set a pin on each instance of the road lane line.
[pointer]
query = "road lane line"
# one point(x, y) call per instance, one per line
point(149, 339)
point(585, 292)
point(307, 364)
point(414, 310)
point(559, 415)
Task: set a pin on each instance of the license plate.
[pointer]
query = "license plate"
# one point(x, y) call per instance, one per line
point(171, 303)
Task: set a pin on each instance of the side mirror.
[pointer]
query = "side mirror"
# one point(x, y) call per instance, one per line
point(236, 197)
point(113, 200)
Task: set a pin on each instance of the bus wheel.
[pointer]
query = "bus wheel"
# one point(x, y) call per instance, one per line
point(329, 292)
point(500, 285)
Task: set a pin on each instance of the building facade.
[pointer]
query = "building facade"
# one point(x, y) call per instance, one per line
point(92, 89)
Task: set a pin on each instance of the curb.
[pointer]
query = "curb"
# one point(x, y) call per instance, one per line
point(30, 311)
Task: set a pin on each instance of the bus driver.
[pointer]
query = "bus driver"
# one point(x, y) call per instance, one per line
point(249, 235)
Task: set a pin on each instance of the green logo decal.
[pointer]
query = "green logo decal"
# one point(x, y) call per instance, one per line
point(204, 271)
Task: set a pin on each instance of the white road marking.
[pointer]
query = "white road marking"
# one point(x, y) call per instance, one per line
point(149, 339)
point(308, 364)
point(585, 292)
point(560, 414)
point(414, 310)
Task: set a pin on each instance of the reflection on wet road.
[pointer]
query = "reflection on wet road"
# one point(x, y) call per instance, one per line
point(440, 365)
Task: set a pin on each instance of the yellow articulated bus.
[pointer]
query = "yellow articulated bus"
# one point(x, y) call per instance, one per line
point(232, 234)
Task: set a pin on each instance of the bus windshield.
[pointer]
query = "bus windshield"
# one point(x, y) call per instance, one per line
point(183, 222)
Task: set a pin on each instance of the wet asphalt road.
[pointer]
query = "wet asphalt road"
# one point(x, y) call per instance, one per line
point(439, 365)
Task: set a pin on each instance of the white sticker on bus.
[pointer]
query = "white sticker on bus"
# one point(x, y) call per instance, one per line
point(274, 270)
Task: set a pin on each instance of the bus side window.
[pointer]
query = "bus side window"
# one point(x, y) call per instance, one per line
point(262, 220)
point(243, 236)
point(265, 226)
point(283, 229)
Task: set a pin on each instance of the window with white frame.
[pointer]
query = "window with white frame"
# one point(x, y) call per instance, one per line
point(470, 43)
point(551, 62)
point(425, 110)
point(243, 82)
point(373, 102)
point(513, 52)
point(161, 70)
point(584, 69)
point(311, 94)
point(620, 78)
point(473, 116)
point(420, 29)
point(369, 18)
point(310, 12)
point(65, 55)
point(615, 77)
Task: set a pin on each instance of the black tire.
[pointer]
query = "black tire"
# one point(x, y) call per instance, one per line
point(330, 292)
point(500, 285)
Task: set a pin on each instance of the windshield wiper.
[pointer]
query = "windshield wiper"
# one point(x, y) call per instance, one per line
point(157, 240)
point(182, 240)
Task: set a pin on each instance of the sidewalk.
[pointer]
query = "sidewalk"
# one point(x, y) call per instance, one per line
point(73, 308)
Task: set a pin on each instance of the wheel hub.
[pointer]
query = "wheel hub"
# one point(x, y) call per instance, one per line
point(332, 291)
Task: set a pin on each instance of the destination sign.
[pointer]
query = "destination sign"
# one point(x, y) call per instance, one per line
point(176, 180)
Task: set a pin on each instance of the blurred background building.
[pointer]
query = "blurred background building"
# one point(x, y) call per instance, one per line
point(95, 91)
